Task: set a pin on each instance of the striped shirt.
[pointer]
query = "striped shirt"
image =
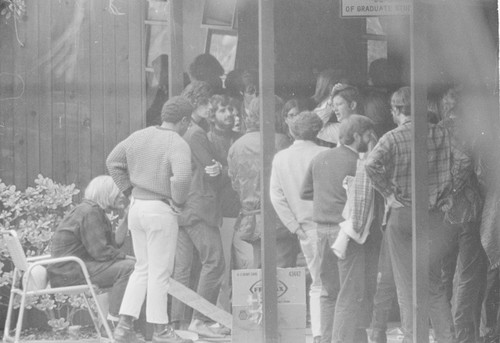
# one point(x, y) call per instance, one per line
point(154, 163)
point(389, 165)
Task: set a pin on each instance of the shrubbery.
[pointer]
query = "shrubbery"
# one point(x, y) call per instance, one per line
point(34, 214)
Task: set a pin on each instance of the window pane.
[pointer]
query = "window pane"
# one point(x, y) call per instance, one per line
point(373, 26)
point(376, 49)
point(223, 47)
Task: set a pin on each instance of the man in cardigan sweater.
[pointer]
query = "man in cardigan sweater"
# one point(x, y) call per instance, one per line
point(153, 165)
point(288, 172)
point(323, 184)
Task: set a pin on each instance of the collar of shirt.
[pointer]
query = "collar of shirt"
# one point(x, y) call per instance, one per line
point(351, 148)
point(302, 142)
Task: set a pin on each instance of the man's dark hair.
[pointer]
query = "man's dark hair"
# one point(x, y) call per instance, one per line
point(175, 109)
point(204, 66)
point(198, 93)
point(218, 99)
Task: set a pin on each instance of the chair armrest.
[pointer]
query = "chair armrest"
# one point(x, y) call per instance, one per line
point(37, 258)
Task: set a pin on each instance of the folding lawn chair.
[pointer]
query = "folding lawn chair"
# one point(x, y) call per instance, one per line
point(32, 285)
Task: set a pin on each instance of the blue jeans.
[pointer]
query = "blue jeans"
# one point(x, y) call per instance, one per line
point(287, 250)
point(468, 259)
point(351, 294)
point(207, 242)
point(329, 275)
point(399, 237)
point(386, 289)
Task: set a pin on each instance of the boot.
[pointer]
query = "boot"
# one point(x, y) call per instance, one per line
point(124, 331)
point(164, 333)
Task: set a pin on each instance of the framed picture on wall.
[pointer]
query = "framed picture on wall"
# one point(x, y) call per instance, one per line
point(222, 44)
point(219, 14)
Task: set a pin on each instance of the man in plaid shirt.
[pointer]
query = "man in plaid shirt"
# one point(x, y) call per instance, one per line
point(389, 168)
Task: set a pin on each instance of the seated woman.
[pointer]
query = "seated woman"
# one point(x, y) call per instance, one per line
point(87, 233)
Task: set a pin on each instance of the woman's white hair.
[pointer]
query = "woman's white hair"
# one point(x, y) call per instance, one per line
point(102, 190)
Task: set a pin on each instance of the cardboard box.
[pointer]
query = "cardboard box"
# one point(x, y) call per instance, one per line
point(291, 288)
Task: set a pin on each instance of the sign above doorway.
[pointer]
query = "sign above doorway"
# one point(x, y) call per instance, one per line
point(374, 8)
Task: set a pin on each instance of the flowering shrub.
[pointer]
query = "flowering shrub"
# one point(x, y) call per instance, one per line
point(34, 214)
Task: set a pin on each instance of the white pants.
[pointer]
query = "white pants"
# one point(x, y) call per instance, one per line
point(154, 229)
point(310, 251)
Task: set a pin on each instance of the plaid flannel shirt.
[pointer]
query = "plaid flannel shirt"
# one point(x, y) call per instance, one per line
point(359, 209)
point(389, 165)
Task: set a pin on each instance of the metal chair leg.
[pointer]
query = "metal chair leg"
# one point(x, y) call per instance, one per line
point(19, 325)
point(10, 308)
point(99, 314)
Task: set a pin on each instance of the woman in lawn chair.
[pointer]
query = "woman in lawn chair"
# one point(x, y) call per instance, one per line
point(86, 232)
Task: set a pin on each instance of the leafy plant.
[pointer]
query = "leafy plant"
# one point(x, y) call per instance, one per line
point(34, 214)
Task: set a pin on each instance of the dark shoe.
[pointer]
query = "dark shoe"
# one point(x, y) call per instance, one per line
point(168, 335)
point(124, 333)
point(378, 336)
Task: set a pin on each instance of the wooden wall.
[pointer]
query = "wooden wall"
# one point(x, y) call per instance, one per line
point(72, 92)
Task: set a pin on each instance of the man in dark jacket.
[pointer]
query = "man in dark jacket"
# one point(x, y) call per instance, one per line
point(201, 217)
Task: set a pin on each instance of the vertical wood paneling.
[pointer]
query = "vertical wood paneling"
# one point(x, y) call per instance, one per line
point(84, 100)
point(68, 119)
point(32, 95)
point(136, 64)
point(21, 86)
point(70, 101)
point(97, 88)
point(122, 68)
point(109, 83)
point(59, 23)
point(7, 81)
point(45, 88)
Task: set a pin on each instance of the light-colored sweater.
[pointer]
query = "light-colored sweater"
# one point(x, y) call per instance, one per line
point(288, 172)
point(155, 163)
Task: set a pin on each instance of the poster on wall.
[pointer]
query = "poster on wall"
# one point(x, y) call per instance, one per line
point(374, 8)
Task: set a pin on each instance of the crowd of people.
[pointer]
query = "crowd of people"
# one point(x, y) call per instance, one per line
point(341, 189)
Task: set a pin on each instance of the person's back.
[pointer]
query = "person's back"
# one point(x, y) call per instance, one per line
point(153, 155)
point(288, 171)
point(244, 163)
point(154, 166)
point(323, 183)
point(290, 166)
point(389, 167)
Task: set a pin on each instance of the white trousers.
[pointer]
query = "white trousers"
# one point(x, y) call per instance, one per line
point(153, 226)
point(310, 251)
